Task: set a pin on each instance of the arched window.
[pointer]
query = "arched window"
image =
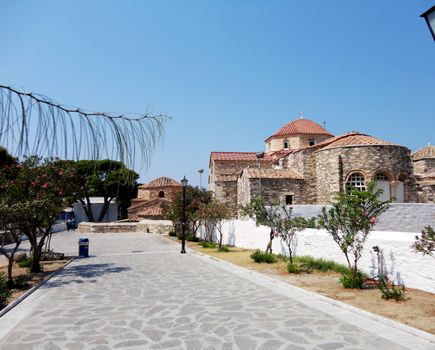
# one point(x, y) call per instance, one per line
point(357, 181)
point(381, 177)
point(162, 194)
point(286, 144)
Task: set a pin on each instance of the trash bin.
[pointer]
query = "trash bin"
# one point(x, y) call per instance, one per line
point(83, 247)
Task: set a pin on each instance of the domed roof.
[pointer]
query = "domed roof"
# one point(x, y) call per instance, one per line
point(301, 126)
point(161, 182)
point(353, 139)
point(424, 153)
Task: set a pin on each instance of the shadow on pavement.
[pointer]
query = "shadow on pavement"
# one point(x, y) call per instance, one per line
point(83, 274)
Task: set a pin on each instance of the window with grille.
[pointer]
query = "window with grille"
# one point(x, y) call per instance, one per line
point(357, 181)
point(381, 177)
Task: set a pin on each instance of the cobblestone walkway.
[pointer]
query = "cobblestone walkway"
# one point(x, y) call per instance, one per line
point(139, 292)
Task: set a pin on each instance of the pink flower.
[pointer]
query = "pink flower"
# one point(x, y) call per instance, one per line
point(60, 173)
point(45, 185)
point(373, 220)
point(33, 183)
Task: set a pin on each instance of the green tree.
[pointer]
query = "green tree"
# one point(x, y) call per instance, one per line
point(350, 220)
point(425, 244)
point(195, 197)
point(32, 195)
point(263, 215)
point(104, 178)
point(212, 216)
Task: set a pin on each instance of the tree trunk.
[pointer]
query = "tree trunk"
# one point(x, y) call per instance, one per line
point(104, 209)
point(10, 278)
point(269, 245)
point(87, 208)
point(290, 254)
point(36, 256)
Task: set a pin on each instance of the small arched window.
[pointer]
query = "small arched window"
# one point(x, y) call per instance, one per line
point(162, 194)
point(286, 144)
point(381, 177)
point(356, 180)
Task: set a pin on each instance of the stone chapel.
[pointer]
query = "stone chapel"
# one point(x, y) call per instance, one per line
point(303, 163)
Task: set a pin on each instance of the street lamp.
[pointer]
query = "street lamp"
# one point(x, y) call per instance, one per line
point(183, 225)
point(429, 16)
point(200, 171)
point(259, 156)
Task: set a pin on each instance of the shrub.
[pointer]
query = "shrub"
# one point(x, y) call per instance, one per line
point(205, 244)
point(348, 280)
point(20, 282)
point(27, 262)
point(5, 292)
point(293, 268)
point(223, 249)
point(172, 233)
point(191, 238)
point(390, 290)
point(310, 263)
point(258, 256)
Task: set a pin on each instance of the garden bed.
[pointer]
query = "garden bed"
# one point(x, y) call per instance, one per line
point(31, 279)
point(418, 310)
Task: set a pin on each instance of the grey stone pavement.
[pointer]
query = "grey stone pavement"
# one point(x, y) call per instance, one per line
point(137, 291)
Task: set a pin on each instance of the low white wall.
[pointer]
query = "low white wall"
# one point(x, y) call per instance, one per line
point(400, 260)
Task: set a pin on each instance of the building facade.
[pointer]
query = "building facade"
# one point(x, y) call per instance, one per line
point(303, 163)
point(151, 197)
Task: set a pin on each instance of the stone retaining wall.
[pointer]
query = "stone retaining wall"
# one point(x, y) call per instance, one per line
point(104, 227)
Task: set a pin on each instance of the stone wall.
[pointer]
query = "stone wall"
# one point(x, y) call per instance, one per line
point(224, 175)
point(155, 226)
point(101, 227)
point(275, 190)
point(334, 165)
point(294, 142)
point(424, 166)
point(417, 271)
point(305, 163)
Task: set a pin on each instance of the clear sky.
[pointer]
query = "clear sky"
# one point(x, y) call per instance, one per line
point(229, 72)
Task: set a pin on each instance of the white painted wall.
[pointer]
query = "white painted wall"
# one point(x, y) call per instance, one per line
point(415, 270)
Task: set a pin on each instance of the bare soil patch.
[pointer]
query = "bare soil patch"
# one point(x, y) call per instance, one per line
point(32, 279)
point(418, 310)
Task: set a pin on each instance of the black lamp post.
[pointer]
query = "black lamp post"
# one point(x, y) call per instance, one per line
point(259, 155)
point(183, 225)
point(429, 16)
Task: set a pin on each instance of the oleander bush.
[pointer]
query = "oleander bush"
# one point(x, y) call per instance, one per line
point(259, 257)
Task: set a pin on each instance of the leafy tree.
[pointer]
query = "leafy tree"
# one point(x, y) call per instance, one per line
point(350, 220)
point(425, 244)
point(212, 215)
point(104, 178)
point(195, 197)
point(267, 216)
point(32, 194)
point(287, 229)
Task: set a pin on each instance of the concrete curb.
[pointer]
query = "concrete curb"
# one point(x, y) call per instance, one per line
point(31, 290)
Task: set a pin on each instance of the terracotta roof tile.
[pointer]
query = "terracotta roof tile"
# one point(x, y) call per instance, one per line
point(272, 173)
point(239, 156)
point(352, 139)
point(301, 126)
point(427, 152)
point(161, 182)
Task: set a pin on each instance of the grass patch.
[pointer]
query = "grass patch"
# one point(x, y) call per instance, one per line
point(259, 257)
point(27, 262)
point(205, 244)
point(224, 249)
point(310, 263)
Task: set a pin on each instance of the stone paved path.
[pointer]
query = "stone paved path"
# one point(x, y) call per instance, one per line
point(139, 292)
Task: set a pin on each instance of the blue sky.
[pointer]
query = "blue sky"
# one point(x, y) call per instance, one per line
point(229, 72)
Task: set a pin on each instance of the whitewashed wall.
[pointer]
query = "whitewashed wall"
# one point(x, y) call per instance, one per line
point(415, 270)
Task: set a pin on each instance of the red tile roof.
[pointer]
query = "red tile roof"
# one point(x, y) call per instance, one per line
point(427, 152)
point(239, 156)
point(272, 173)
point(161, 182)
point(301, 126)
point(352, 139)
